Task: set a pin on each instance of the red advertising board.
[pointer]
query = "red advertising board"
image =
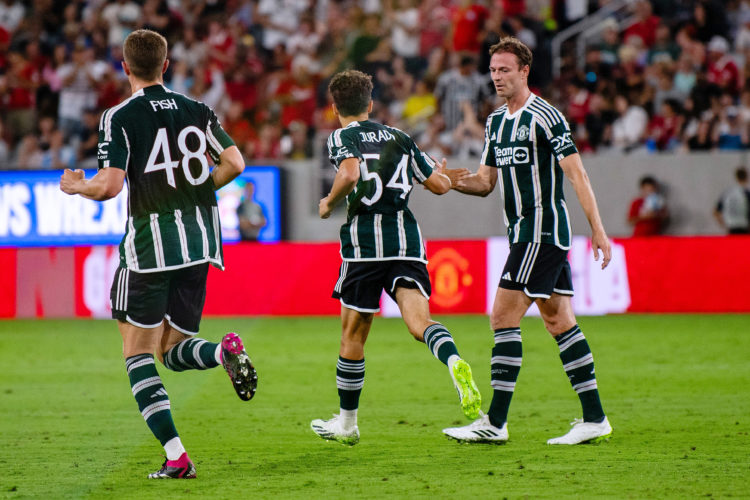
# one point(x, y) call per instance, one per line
point(664, 274)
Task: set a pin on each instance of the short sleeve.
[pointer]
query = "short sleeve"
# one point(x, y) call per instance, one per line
point(488, 153)
point(560, 139)
point(216, 138)
point(422, 165)
point(342, 146)
point(113, 149)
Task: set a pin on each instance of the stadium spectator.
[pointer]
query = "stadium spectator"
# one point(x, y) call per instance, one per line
point(730, 132)
point(645, 26)
point(78, 90)
point(664, 47)
point(722, 69)
point(250, 214)
point(279, 20)
point(403, 16)
point(733, 208)
point(57, 154)
point(664, 128)
point(121, 17)
point(18, 91)
point(189, 49)
point(252, 43)
point(28, 156)
point(648, 212)
point(468, 18)
point(459, 85)
point(11, 14)
point(630, 126)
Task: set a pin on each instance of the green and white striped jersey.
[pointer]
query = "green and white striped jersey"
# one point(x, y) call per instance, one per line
point(160, 138)
point(527, 147)
point(379, 224)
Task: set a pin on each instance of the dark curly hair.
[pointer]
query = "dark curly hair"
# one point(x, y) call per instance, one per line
point(514, 46)
point(351, 91)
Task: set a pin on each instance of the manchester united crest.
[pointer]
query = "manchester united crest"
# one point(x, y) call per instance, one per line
point(523, 133)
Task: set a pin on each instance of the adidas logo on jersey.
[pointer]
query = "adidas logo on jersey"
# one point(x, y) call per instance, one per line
point(494, 136)
point(506, 276)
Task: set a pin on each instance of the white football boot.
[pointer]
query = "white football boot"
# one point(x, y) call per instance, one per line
point(585, 432)
point(479, 431)
point(333, 430)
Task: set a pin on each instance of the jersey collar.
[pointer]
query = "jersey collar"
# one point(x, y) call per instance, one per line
point(520, 110)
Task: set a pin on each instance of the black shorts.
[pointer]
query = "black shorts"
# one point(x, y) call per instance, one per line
point(360, 283)
point(538, 270)
point(146, 299)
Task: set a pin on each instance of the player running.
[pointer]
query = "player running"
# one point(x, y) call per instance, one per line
point(381, 247)
point(528, 145)
point(158, 139)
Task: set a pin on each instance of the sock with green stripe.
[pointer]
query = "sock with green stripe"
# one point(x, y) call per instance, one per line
point(153, 402)
point(505, 366)
point(440, 342)
point(578, 362)
point(193, 354)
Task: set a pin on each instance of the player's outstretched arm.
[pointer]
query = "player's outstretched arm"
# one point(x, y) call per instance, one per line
point(438, 182)
point(573, 168)
point(106, 184)
point(480, 184)
point(343, 184)
point(231, 164)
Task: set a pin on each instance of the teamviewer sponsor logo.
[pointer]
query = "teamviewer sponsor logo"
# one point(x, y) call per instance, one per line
point(511, 155)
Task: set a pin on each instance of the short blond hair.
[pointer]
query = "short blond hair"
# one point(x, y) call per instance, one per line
point(514, 46)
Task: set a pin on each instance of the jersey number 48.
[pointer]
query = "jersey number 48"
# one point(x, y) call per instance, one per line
point(161, 145)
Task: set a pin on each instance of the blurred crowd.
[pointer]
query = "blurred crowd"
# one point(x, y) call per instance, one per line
point(664, 75)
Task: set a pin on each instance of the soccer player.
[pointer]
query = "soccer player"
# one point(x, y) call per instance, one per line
point(528, 145)
point(158, 140)
point(381, 247)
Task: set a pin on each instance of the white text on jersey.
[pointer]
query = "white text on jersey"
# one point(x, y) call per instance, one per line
point(380, 135)
point(164, 104)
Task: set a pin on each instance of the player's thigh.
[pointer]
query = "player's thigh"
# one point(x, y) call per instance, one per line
point(408, 283)
point(508, 308)
point(187, 295)
point(557, 313)
point(360, 285)
point(415, 310)
point(137, 340)
point(140, 299)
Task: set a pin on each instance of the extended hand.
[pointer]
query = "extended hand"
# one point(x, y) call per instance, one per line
point(71, 180)
point(456, 175)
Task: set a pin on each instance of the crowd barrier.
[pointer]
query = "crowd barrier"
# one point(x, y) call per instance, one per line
point(655, 275)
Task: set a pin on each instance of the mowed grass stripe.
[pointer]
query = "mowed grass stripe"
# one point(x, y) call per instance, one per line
point(674, 388)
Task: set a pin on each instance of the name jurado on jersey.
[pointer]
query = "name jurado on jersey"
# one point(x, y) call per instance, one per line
point(380, 135)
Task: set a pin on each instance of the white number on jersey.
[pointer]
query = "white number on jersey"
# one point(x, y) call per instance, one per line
point(161, 145)
point(398, 175)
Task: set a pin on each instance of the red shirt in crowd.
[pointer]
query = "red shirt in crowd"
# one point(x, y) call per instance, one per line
point(725, 73)
point(644, 227)
point(645, 30)
point(467, 24)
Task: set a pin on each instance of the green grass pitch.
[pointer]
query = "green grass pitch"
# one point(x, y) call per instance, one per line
point(674, 387)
